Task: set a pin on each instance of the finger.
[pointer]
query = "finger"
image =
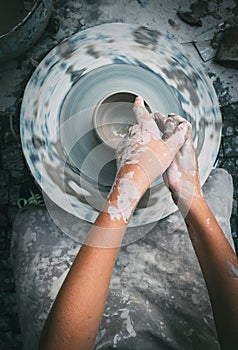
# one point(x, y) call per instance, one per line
point(160, 120)
point(172, 169)
point(170, 126)
point(187, 152)
point(177, 117)
point(188, 144)
point(177, 139)
point(171, 123)
point(140, 111)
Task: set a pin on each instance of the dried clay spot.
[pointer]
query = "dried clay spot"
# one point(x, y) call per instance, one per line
point(143, 3)
point(146, 36)
point(75, 74)
point(127, 193)
point(183, 83)
point(37, 142)
point(232, 269)
point(65, 49)
point(91, 50)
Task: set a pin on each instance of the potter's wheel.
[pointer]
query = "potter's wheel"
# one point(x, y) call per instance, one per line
point(110, 63)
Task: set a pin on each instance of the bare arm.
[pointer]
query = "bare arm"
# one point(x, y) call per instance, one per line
point(219, 263)
point(76, 314)
point(219, 266)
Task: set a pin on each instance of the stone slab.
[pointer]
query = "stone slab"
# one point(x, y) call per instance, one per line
point(157, 296)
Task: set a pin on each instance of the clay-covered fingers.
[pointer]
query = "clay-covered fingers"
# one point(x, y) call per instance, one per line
point(188, 160)
point(160, 120)
point(181, 177)
point(169, 124)
point(144, 118)
point(176, 139)
point(141, 113)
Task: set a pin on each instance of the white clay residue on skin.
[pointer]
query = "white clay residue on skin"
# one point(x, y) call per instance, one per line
point(176, 173)
point(166, 154)
point(140, 135)
point(209, 226)
point(129, 149)
point(133, 161)
point(129, 175)
point(128, 193)
point(187, 190)
point(151, 126)
point(139, 112)
point(122, 131)
point(232, 269)
point(145, 120)
point(114, 213)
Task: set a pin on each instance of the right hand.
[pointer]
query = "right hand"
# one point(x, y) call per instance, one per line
point(181, 177)
point(144, 148)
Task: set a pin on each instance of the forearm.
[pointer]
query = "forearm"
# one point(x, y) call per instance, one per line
point(219, 267)
point(75, 317)
point(76, 314)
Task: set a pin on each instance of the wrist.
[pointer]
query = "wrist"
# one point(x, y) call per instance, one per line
point(190, 204)
point(129, 186)
point(186, 191)
point(136, 176)
point(194, 208)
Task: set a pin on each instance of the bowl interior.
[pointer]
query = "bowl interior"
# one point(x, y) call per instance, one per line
point(113, 116)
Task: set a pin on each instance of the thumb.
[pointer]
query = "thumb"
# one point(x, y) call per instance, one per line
point(160, 120)
point(144, 118)
point(140, 110)
point(176, 140)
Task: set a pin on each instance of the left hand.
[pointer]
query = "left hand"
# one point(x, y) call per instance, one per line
point(143, 150)
point(142, 156)
point(182, 176)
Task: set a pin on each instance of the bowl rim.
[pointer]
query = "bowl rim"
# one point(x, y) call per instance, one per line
point(95, 120)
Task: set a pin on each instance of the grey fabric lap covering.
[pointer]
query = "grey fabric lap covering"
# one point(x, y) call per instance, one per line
point(157, 298)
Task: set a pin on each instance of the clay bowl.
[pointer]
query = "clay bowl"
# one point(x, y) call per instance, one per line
point(77, 107)
point(113, 116)
point(21, 24)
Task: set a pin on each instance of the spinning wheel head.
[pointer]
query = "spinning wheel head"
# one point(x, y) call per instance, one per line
point(78, 104)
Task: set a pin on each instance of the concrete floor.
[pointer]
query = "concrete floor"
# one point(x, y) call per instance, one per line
point(71, 16)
